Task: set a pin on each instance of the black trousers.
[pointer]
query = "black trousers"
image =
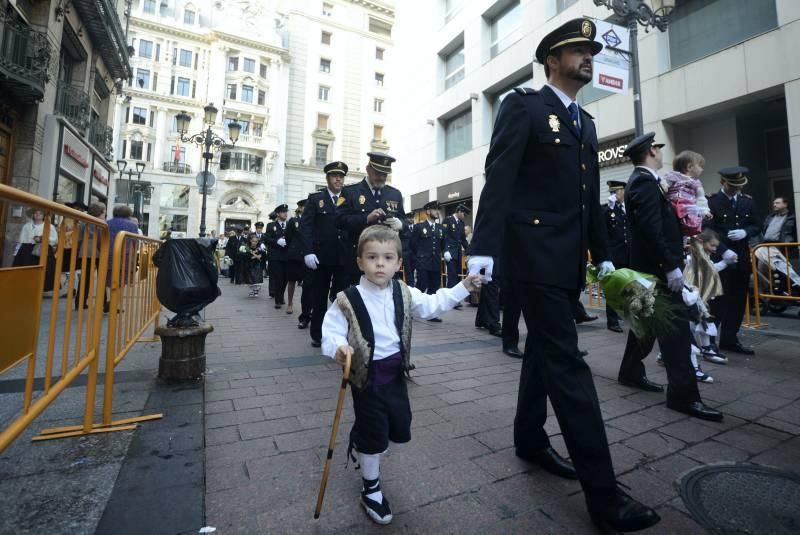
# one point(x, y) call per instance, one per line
point(277, 280)
point(511, 313)
point(453, 271)
point(326, 280)
point(232, 269)
point(408, 270)
point(612, 318)
point(488, 314)
point(307, 297)
point(675, 350)
point(428, 281)
point(729, 307)
point(552, 367)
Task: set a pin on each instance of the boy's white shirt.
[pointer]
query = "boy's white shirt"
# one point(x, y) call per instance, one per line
point(380, 307)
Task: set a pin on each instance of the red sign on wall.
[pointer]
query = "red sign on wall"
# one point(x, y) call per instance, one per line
point(75, 155)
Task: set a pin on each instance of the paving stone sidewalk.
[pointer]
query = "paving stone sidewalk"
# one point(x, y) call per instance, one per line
point(270, 399)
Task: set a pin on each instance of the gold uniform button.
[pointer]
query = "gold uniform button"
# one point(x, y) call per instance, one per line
point(583, 206)
point(536, 221)
point(583, 166)
point(584, 187)
point(581, 145)
point(558, 140)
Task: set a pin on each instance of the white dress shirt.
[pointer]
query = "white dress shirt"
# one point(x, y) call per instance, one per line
point(380, 307)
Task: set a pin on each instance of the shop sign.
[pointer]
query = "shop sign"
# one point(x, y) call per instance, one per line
point(455, 191)
point(100, 179)
point(611, 152)
point(75, 156)
point(611, 67)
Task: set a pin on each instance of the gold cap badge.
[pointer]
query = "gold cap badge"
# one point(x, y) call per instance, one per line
point(586, 28)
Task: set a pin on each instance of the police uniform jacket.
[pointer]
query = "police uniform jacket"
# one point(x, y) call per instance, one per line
point(540, 207)
point(320, 234)
point(727, 218)
point(618, 240)
point(405, 240)
point(455, 237)
point(272, 235)
point(294, 240)
point(656, 239)
point(427, 242)
point(356, 203)
point(232, 247)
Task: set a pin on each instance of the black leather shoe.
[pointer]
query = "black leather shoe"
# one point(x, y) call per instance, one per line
point(582, 352)
point(496, 331)
point(625, 514)
point(697, 409)
point(585, 318)
point(615, 327)
point(550, 460)
point(642, 384)
point(302, 324)
point(436, 320)
point(457, 307)
point(737, 347)
point(316, 343)
point(513, 352)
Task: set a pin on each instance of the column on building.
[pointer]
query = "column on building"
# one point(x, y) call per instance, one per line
point(792, 90)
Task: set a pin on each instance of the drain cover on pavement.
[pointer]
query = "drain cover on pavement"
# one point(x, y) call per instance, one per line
point(743, 498)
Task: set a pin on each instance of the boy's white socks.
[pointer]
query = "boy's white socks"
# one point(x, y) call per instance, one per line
point(371, 471)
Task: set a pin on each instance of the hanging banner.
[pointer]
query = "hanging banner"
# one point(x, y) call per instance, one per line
point(612, 67)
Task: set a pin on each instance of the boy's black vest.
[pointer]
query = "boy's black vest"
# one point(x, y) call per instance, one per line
point(360, 335)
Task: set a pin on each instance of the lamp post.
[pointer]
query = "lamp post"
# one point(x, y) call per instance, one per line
point(209, 141)
point(636, 12)
point(121, 165)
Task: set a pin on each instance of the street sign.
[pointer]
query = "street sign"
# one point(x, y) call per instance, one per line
point(611, 67)
point(210, 179)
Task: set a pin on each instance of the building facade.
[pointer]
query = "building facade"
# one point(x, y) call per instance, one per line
point(341, 52)
point(59, 67)
point(187, 54)
point(719, 81)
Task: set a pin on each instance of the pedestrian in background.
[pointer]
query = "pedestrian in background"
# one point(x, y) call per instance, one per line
point(618, 241)
point(277, 247)
point(30, 247)
point(295, 268)
point(250, 260)
point(427, 241)
point(120, 222)
point(779, 226)
point(455, 242)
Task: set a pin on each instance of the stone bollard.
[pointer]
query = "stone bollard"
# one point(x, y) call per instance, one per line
point(183, 352)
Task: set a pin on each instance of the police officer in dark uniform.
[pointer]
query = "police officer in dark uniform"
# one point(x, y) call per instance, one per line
point(369, 202)
point(408, 256)
point(295, 267)
point(271, 282)
point(277, 246)
point(735, 221)
point(427, 241)
point(260, 235)
point(455, 240)
point(618, 241)
point(232, 252)
point(540, 211)
point(326, 246)
point(657, 249)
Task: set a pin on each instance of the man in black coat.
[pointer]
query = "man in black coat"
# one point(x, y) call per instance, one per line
point(296, 270)
point(271, 282)
point(277, 246)
point(326, 247)
point(618, 241)
point(734, 219)
point(408, 256)
point(455, 241)
point(260, 235)
point(232, 252)
point(427, 241)
point(540, 212)
point(657, 249)
point(369, 202)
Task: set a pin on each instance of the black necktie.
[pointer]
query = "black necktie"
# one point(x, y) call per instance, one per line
point(335, 198)
point(733, 202)
point(573, 114)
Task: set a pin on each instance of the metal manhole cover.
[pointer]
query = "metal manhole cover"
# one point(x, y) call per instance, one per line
point(743, 498)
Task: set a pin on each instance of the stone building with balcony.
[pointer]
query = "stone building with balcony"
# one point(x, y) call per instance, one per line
point(339, 79)
point(186, 54)
point(59, 65)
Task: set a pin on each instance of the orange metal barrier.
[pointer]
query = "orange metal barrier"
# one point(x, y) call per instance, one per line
point(765, 260)
point(22, 289)
point(133, 308)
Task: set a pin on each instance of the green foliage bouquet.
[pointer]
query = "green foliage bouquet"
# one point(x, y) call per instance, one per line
point(636, 297)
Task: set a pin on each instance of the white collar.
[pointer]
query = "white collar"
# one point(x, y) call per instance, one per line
point(730, 197)
point(332, 194)
point(370, 287)
point(655, 175)
point(565, 100)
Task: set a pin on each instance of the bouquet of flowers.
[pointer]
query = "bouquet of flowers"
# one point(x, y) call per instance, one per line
point(635, 296)
point(243, 249)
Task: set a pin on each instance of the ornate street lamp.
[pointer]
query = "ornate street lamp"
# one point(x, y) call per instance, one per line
point(209, 141)
point(121, 165)
point(650, 14)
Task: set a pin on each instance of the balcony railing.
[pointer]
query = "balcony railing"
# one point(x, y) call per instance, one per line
point(249, 139)
point(24, 60)
point(102, 21)
point(177, 167)
point(73, 104)
point(102, 137)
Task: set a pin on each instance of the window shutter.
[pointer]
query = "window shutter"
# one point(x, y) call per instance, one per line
point(127, 115)
point(152, 118)
point(148, 151)
point(172, 86)
point(124, 147)
point(194, 87)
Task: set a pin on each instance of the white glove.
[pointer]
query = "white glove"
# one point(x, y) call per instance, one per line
point(737, 234)
point(447, 256)
point(729, 257)
point(261, 247)
point(719, 266)
point(282, 242)
point(393, 223)
point(675, 280)
point(606, 268)
point(477, 263)
point(311, 261)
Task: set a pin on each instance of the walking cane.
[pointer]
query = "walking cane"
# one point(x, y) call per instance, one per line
point(326, 472)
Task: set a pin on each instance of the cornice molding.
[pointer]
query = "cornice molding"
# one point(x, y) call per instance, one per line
point(168, 99)
point(379, 7)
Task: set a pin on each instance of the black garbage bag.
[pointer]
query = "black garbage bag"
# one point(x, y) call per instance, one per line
point(187, 278)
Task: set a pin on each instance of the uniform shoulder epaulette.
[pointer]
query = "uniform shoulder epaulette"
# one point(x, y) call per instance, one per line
point(589, 115)
point(746, 195)
point(525, 91)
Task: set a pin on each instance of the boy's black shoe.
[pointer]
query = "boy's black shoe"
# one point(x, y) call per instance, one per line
point(623, 514)
point(380, 513)
point(316, 343)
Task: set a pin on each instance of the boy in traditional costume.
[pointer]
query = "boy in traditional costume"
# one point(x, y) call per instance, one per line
point(373, 320)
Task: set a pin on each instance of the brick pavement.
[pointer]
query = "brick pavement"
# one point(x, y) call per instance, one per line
point(270, 398)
